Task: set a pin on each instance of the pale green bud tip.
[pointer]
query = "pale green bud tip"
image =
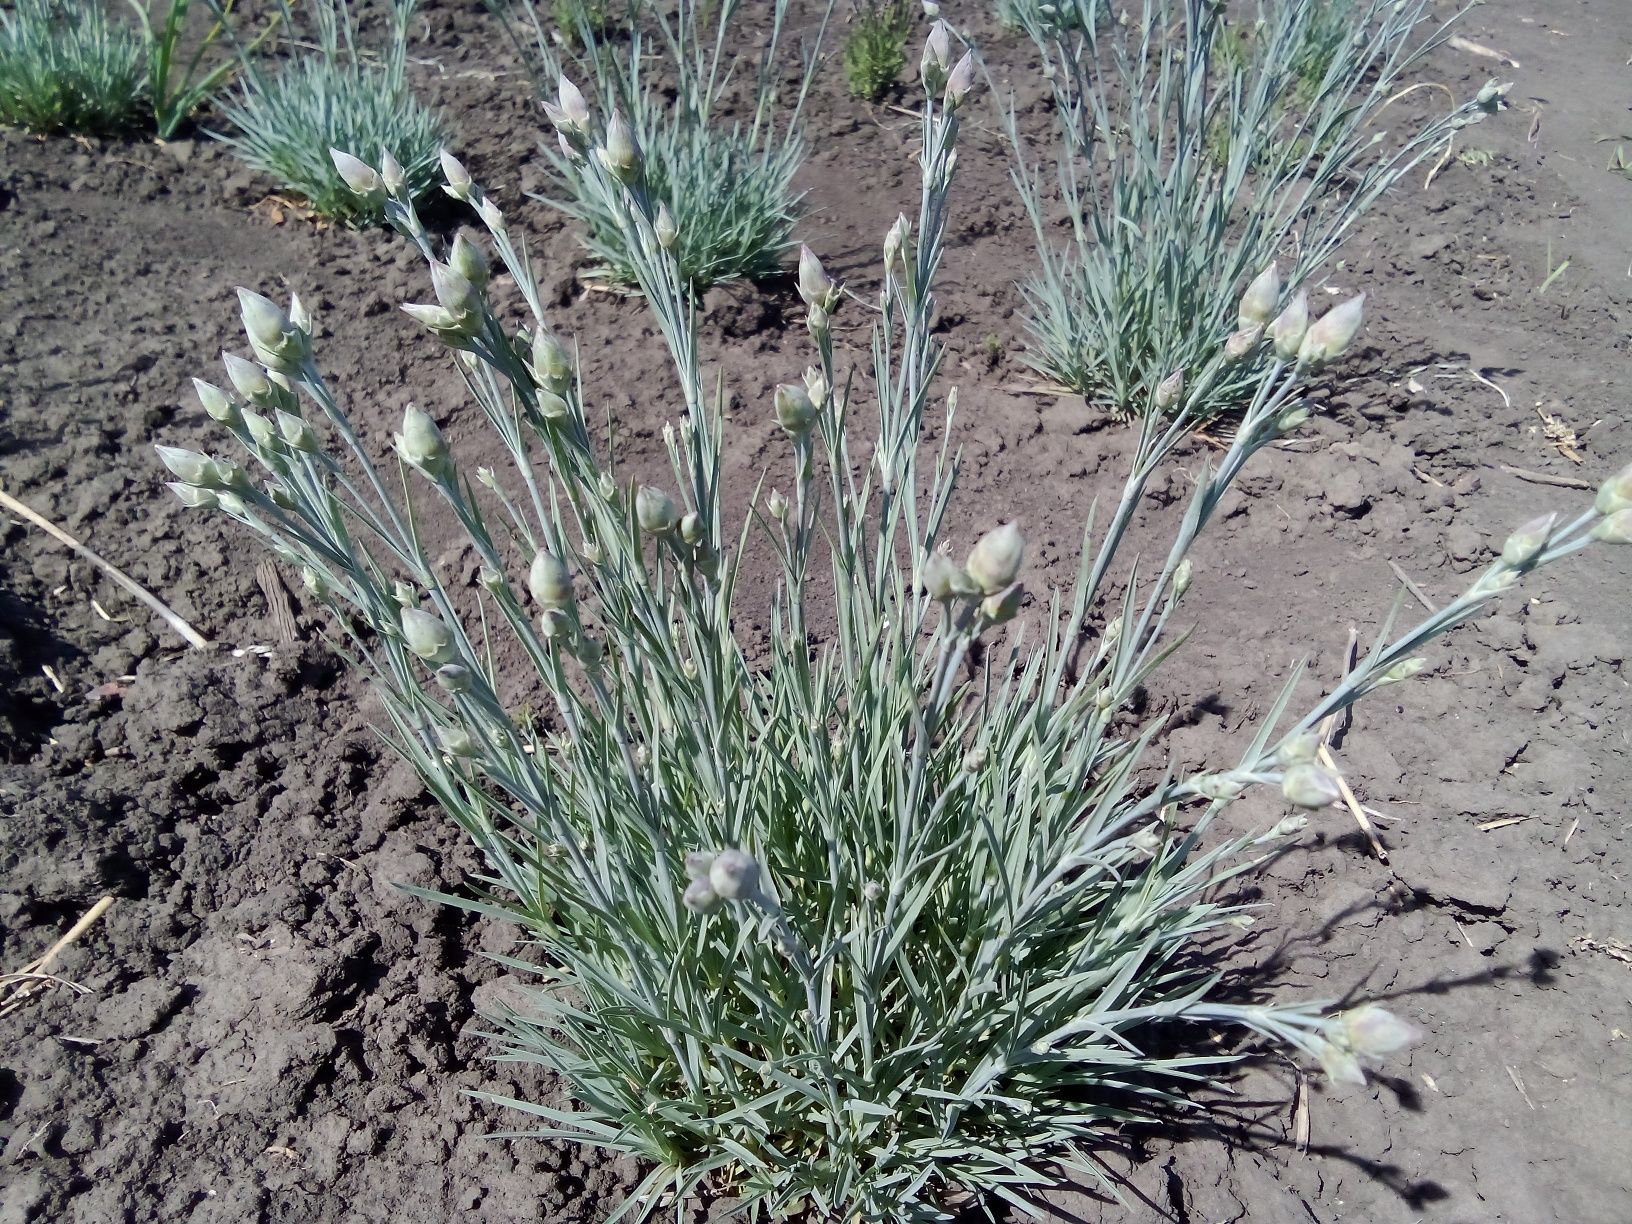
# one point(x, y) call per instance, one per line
point(655, 511)
point(458, 178)
point(549, 580)
point(961, 80)
point(1259, 301)
point(995, 560)
point(1169, 390)
point(454, 677)
point(190, 467)
point(1616, 529)
point(455, 291)
point(1405, 669)
point(1307, 785)
point(1376, 1032)
point(691, 528)
point(192, 496)
point(555, 625)
point(1242, 342)
point(420, 442)
point(936, 62)
point(296, 432)
point(360, 177)
point(697, 864)
point(569, 112)
point(665, 229)
point(1182, 577)
point(944, 580)
point(816, 287)
point(777, 505)
point(1290, 327)
point(277, 342)
point(426, 635)
point(1615, 494)
point(699, 898)
point(734, 876)
point(466, 258)
point(1526, 544)
point(455, 741)
point(794, 410)
point(620, 155)
point(1330, 336)
point(392, 174)
point(216, 403)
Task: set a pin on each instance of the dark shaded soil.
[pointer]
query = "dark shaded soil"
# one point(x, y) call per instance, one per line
point(269, 1029)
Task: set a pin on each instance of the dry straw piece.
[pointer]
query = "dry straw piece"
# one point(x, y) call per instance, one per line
point(845, 928)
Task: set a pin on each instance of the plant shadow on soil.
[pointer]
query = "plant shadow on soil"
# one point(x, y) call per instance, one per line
point(273, 1030)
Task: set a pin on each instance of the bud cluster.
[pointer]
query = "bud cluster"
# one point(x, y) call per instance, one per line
point(988, 576)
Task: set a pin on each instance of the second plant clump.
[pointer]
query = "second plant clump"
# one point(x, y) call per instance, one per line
point(840, 928)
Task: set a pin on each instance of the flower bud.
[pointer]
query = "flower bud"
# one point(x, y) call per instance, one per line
point(217, 404)
point(620, 155)
point(455, 741)
point(1242, 342)
point(1332, 333)
point(734, 876)
point(1000, 609)
point(192, 496)
point(426, 635)
point(691, 528)
point(960, 81)
point(895, 240)
point(466, 258)
point(1526, 543)
point(261, 431)
point(665, 229)
point(392, 175)
point(456, 293)
point(936, 62)
point(794, 410)
point(1169, 390)
point(872, 890)
point(278, 343)
point(555, 625)
point(492, 581)
point(1304, 746)
point(1307, 785)
point(1259, 301)
point(459, 182)
point(569, 113)
point(655, 511)
point(314, 582)
point(1616, 529)
point(1403, 670)
point(1375, 1032)
point(697, 864)
point(994, 562)
point(189, 466)
point(549, 580)
point(816, 287)
point(699, 898)
point(359, 177)
point(454, 677)
point(1181, 578)
point(1615, 494)
point(421, 443)
point(296, 432)
point(944, 581)
point(1290, 827)
point(816, 387)
point(1290, 327)
point(777, 505)
point(438, 319)
point(551, 364)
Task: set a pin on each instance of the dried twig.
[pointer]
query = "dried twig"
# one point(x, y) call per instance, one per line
point(1353, 804)
point(192, 636)
point(32, 977)
point(1415, 590)
point(1559, 482)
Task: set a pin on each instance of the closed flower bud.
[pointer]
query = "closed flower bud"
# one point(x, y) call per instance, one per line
point(359, 177)
point(816, 387)
point(555, 625)
point(691, 528)
point(1307, 785)
point(895, 240)
point(697, 864)
point(189, 466)
point(549, 580)
point(1259, 301)
point(426, 635)
point(936, 62)
point(1218, 786)
point(818, 320)
point(454, 677)
point(455, 741)
point(192, 496)
point(261, 431)
point(1000, 609)
point(1181, 577)
point(278, 343)
point(960, 81)
point(551, 366)
point(248, 379)
point(1242, 342)
point(734, 876)
point(552, 407)
point(392, 174)
point(217, 404)
point(569, 113)
point(1169, 390)
point(816, 287)
point(466, 258)
point(296, 432)
point(1290, 327)
point(1291, 419)
point(437, 318)
point(492, 581)
point(1375, 1032)
point(1302, 747)
point(233, 505)
point(655, 511)
point(777, 505)
point(1615, 494)
point(1403, 670)
point(620, 155)
point(944, 581)
point(421, 443)
point(1290, 827)
point(995, 560)
point(1333, 332)
point(314, 582)
point(458, 178)
point(1521, 548)
point(455, 292)
point(1616, 529)
point(699, 898)
point(872, 890)
point(794, 410)
point(665, 229)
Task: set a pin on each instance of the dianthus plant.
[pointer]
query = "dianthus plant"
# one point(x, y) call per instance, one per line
point(842, 927)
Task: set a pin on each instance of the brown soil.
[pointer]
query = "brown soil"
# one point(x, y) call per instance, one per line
point(271, 1030)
